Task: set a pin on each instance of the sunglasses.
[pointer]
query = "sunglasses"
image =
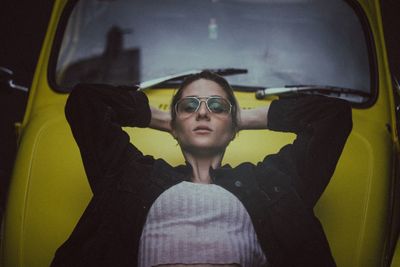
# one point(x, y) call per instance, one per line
point(191, 104)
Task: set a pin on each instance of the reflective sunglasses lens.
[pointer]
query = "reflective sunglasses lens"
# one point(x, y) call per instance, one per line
point(218, 105)
point(187, 105)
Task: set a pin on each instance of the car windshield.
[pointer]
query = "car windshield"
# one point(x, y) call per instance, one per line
point(278, 42)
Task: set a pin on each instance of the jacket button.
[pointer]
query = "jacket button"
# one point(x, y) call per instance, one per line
point(277, 189)
point(238, 184)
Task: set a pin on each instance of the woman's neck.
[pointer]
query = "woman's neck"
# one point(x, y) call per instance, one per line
point(201, 167)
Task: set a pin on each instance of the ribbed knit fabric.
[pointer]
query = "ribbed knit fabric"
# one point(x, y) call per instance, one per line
point(199, 223)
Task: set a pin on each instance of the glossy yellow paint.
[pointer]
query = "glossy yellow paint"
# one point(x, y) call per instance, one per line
point(49, 190)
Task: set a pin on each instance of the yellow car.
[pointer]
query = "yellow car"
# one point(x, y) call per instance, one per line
point(265, 49)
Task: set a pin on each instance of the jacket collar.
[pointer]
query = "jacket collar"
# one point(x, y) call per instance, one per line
point(186, 170)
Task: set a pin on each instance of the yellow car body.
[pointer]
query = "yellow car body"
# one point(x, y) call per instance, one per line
point(49, 190)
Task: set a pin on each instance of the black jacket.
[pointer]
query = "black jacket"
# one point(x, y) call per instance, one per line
point(279, 192)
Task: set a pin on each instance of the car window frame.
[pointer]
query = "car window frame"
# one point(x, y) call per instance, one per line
point(355, 5)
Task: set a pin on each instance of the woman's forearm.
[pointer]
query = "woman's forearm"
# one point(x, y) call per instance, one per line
point(160, 120)
point(256, 118)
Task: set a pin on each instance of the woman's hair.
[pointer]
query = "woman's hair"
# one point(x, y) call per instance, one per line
point(207, 75)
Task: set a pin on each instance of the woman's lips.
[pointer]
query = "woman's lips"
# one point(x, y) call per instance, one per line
point(202, 130)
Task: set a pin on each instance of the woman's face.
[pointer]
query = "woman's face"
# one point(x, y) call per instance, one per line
point(203, 132)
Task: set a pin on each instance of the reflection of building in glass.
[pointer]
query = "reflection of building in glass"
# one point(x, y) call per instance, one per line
point(116, 65)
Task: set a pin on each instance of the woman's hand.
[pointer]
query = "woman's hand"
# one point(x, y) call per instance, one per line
point(256, 118)
point(160, 120)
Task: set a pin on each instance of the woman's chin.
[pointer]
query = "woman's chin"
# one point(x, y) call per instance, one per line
point(204, 149)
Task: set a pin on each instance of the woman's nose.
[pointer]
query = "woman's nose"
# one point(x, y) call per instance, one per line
point(203, 110)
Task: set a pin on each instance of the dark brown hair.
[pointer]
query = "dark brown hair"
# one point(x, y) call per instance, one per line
point(211, 76)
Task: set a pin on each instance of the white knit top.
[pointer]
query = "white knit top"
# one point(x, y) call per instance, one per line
point(194, 223)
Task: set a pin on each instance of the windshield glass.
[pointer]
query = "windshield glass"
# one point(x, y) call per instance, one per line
point(290, 42)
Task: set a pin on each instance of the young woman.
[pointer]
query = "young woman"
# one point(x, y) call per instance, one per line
point(145, 212)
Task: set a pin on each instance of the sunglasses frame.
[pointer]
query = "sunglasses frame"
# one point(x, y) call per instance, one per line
point(204, 99)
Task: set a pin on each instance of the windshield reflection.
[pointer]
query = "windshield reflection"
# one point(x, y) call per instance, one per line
point(278, 42)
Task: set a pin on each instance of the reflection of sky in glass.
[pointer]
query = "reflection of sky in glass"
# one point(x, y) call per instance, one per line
point(279, 42)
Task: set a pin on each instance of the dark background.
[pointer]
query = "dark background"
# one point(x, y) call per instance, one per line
point(22, 28)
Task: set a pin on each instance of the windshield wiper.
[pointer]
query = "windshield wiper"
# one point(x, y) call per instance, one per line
point(319, 89)
point(183, 75)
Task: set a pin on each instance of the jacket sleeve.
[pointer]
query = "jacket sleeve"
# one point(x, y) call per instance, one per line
point(96, 114)
point(322, 125)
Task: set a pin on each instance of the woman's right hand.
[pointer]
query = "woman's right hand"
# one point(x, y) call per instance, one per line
point(160, 120)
